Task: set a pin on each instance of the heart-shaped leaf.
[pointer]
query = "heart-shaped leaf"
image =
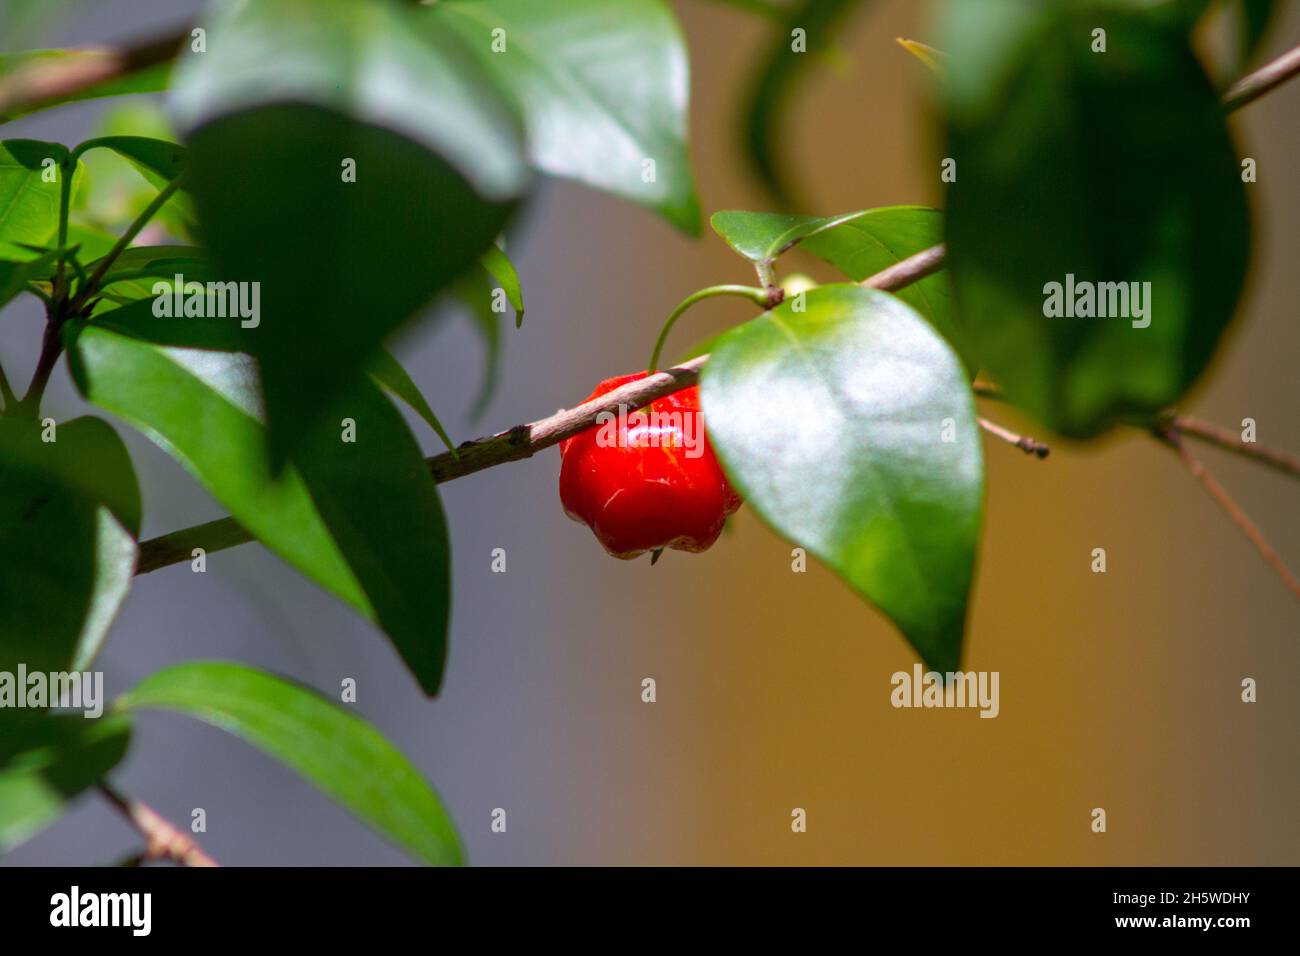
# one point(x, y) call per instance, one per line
point(1097, 227)
point(849, 427)
point(604, 89)
point(339, 753)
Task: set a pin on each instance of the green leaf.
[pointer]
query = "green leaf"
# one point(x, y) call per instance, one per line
point(44, 764)
point(156, 159)
point(777, 77)
point(29, 205)
point(859, 244)
point(501, 269)
point(832, 424)
point(34, 65)
point(14, 276)
point(361, 519)
point(69, 516)
point(339, 753)
point(289, 94)
point(1108, 168)
point(603, 85)
point(388, 372)
point(1255, 18)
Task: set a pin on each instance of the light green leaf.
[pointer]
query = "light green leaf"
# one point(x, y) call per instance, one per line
point(361, 518)
point(388, 372)
point(290, 94)
point(604, 87)
point(849, 428)
point(1078, 166)
point(342, 755)
point(45, 763)
point(29, 195)
point(500, 268)
point(69, 515)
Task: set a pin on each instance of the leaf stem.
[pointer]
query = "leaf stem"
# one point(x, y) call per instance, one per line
point(763, 297)
point(1229, 441)
point(90, 286)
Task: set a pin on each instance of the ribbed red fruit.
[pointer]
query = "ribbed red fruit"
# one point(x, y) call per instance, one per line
point(648, 479)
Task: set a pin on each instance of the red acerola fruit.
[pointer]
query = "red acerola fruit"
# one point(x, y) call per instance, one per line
point(648, 479)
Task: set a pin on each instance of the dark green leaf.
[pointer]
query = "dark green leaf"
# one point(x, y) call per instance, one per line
point(604, 88)
point(1254, 20)
point(289, 94)
point(849, 427)
point(1110, 167)
point(47, 762)
point(344, 756)
point(782, 66)
point(361, 519)
point(69, 514)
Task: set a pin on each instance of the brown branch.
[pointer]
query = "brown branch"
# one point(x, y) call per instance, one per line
point(1171, 437)
point(520, 442)
point(41, 81)
point(1268, 77)
point(163, 841)
point(1029, 446)
point(1230, 441)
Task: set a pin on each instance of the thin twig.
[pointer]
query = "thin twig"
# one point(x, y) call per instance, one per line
point(1269, 76)
point(163, 841)
point(520, 442)
point(1029, 446)
point(1171, 437)
point(1230, 441)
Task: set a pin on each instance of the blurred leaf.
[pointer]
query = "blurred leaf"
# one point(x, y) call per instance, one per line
point(604, 87)
point(1113, 168)
point(342, 755)
point(1255, 18)
point(15, 275)
point(92, 242)
point(289, 94)
point(500, 268)
point(361, 519)
point(45, 763)
point(781, 68)
point(69, 514)
point(388, 372)
point(831, 422)
point(31, 65)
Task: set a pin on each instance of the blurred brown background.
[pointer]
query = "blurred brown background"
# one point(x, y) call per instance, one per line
point(1119, 690)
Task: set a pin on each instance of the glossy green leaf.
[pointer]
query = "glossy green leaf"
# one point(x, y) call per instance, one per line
point(776, 80)
point(360, 518)
point(1076, 167)
point(388, 372)
point(849, 427)
point(45, 763)
point(29, 195)
point(34, 64)
point(69, 515)
point(502, 270)
point(339, 753)
point(289, 95)
point(604, 87)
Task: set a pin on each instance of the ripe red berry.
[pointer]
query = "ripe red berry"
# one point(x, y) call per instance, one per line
point(647, 479)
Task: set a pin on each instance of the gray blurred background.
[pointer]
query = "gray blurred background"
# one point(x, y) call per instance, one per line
point(1118, 691)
